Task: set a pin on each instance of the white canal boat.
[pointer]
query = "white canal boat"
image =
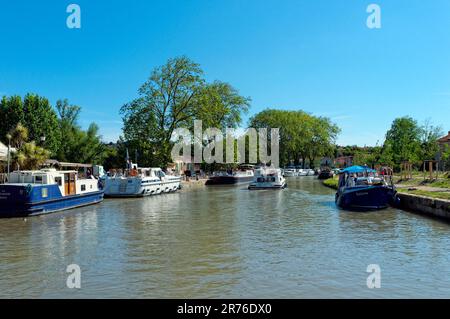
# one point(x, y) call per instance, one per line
point(139, 182)
point(268, 178)
point(289, 172)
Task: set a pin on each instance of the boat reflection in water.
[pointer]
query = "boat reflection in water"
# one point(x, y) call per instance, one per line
point(362, 188)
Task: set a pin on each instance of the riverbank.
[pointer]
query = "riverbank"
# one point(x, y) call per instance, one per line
point(425, 205)
point(193, 183)
point(331, 182)
point(415, 197)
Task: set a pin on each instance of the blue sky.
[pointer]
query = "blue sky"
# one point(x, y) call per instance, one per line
point(318, 56)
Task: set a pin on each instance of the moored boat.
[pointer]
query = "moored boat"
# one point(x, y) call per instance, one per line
point(268, 178)
point(138, 182)
point(302, 172)
point(244, 175)
point(361, 188)
point(325, 174)
point(289, 172)
point(37, 192)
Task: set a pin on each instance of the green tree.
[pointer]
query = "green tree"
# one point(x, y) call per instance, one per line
point(41, 121)
point(302, 136)
point(18, 136)
point(67, 120)
point(166, 102)
point(445, 157)
point(429, 140)
point(78, 145)
point(11, 113)
point(27, 156)
point(173, 97)
point(220, 105)
point(322, 140)
point(403, 141)
point(36, 114)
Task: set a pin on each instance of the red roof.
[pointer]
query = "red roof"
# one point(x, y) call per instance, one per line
point(445, 139)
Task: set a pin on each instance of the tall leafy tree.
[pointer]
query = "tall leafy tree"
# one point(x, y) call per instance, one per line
point(174, 96)
point(302, 136)
point(403, 141)
point(220, 105)
point(68, 125)
point(11, 113)
point(78, 145)
point(27, 155)
point(166, 102)
point(36, 114)
point(41, 121)
point(429, 140)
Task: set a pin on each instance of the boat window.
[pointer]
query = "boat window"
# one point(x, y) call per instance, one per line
point(83, 188)
point(260, 180)
point(362, 181)
point(38, 179)
point(44, 192)
point(58, 180)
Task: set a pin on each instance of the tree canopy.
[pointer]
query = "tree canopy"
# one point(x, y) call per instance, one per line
point(302, 135)
point(173, 97)
point(36, 114)
point(33, 120)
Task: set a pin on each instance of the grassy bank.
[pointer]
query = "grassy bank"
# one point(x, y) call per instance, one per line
point(331, 182)
point(420, 181)
point(437, 195)
point(404, 187)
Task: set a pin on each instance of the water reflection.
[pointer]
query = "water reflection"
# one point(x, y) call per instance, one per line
point(225, 242)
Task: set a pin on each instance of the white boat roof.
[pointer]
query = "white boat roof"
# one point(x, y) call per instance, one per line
point(44, 171)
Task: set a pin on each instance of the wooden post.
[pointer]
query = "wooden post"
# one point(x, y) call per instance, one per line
point(424, 170)
point(430, 167)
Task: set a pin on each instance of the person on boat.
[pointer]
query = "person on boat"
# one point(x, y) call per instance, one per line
point(133, 172)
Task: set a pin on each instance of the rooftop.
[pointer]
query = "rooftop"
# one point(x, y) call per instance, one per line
point(445, 139)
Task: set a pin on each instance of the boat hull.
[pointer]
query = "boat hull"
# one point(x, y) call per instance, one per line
point(23, 201)
point(366, 198)
point(228, 180)
point(117, 188)
point(323, 176)
point(256, 187)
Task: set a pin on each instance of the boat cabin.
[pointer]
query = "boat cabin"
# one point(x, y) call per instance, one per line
point(137, 172)
point(69, 182)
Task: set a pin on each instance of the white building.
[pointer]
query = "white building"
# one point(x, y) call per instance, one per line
point(4, 152)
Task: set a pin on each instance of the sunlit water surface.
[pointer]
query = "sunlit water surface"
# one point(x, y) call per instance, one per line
point(226, 242)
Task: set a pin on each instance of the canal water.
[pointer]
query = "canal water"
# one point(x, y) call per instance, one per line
point(226, 242)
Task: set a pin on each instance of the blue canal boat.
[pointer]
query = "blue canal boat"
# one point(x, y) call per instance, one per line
point(30, 193)
point(361, 188)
